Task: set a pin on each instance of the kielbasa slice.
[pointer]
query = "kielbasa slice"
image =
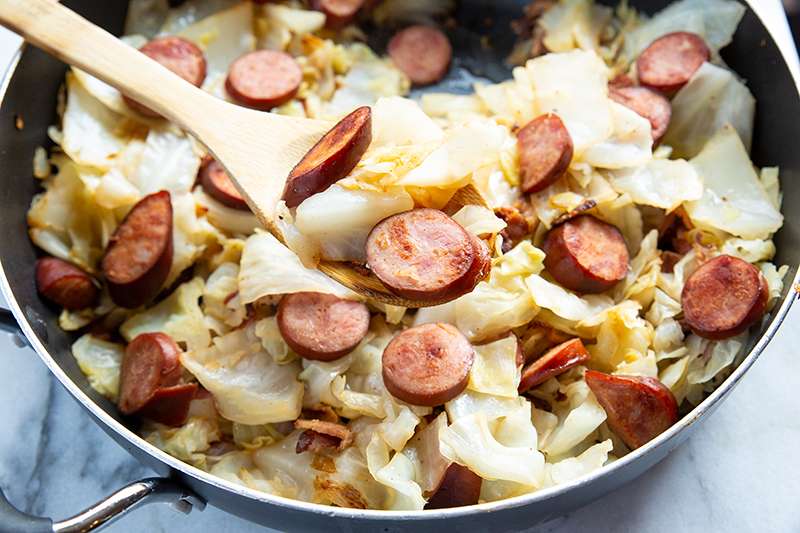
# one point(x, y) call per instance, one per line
point(460, 487)
point(179, 55)
point(671, 60)
point(331, 159)
point(585, 254)
point(151, 361)
point(545, 151)
point(338, 13)
point(517, 227)
point(555, 361)
point(139, 254)
point(65, 284)
point(423, 53)
point(216, 183)
point(647, 103)
point(638, 408)
point(264, 79)
point(321, 327)
point(723, 297)
point(428, 364)
point(423, 255)
point(170, 405)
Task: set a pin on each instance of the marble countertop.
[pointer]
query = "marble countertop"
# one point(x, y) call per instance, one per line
point(738, 472)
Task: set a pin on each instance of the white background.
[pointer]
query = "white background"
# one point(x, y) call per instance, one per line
point(739, 472)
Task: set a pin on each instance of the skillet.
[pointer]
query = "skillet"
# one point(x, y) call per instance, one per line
point(29, 91)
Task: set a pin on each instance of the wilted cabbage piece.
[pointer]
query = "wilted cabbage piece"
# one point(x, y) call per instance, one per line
point(579, 415)
point(179, 316)
point(100, 360)
point(93, 134)
point(495, 368)
point(187, 442)
point(573, 85)
point(574, 24)
point(340, 219)
point(496, 445)
point(713, 98)
point(734, 199)
point(629, 145)
point(664, 183)
point(270, 268)
point(249, 387)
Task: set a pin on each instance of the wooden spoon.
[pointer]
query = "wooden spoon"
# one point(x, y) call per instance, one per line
point(257, 149)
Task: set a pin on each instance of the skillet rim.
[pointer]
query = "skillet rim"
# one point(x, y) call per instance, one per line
point(669, 439)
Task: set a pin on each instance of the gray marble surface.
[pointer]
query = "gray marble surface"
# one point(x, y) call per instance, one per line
point(739, 472)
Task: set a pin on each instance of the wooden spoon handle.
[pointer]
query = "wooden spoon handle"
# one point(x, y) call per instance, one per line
point(76, 41)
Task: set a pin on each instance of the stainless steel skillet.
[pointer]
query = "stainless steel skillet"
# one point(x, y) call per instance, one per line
point(29, 91)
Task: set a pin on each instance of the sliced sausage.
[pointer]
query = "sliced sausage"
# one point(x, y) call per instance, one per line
point(216, 183)
point(638, 408)
point(170, 405)
point(320, 326)
point(338, 13)
point(481, 265)
point(423, 255)
point(724, 297)
point(423, 53)
point(315, 442)
point(179, 55)
point(460, 487)
point(545, 151)
point(264, 79)
point(517, 227)
point(555, 361)
point(668, 261)
point(585, 254)
point(65, 284)
point(151, 361)
point(427, 364)
point(671, 60)
point(139, 254)
point(332, 158)
point(647, 103)
point(322, 433)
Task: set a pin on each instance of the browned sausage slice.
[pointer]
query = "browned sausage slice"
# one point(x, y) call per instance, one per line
point(331, 159)
point(481, 265)
point(338, 13)
point(320, 326)
point(586, 255)
point(217, 184)
point(638, 408)
point(151, 361)
point(170, 405)
point(423, 53)
point(65, 284)
point(139, 254)
point(517, 227)
point(180, 56)
point(545, 151)
point(724, 297)
point(422, 254)
point(427, 364)
point(555, 361)
point(647, 103)
point(460, 486)
point(264, 79)
point(671, 60)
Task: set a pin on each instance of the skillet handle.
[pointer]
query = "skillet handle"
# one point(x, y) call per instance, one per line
point(150, 490)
